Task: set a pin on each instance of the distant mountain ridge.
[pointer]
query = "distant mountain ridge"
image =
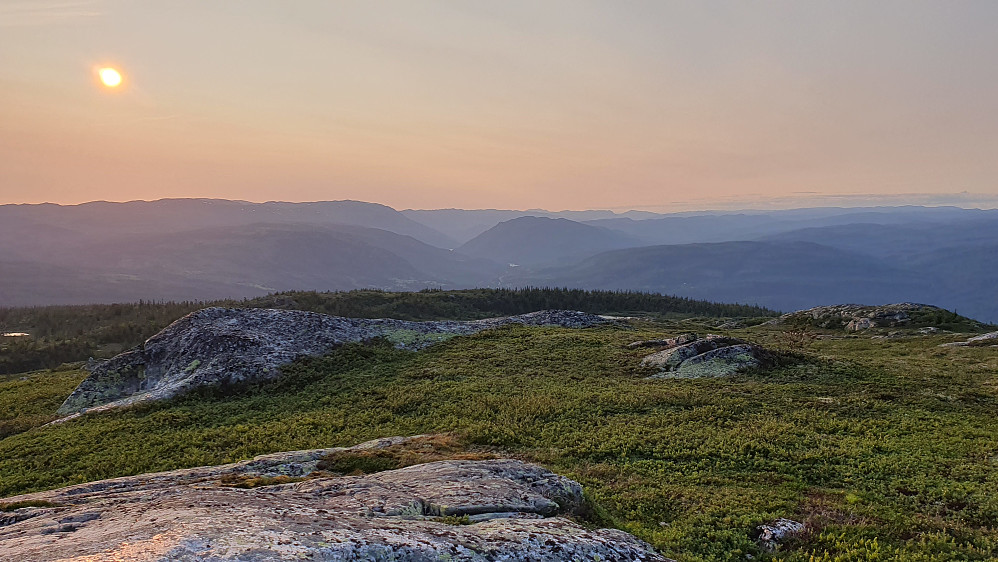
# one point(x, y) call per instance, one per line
point(182, 249)
point(465, 224)
point(177, 215)
point(232, 262)
point(782, 276)
point(533, 240)
point(692, 227)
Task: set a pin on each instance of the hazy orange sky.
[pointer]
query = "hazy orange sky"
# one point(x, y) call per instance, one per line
point(513, 104)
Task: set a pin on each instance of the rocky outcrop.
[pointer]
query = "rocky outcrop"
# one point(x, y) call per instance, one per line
point(984, 340)
point(493, 510)
point(855, 317)
point(669, 342)
point(689, 356)
point(225, 346)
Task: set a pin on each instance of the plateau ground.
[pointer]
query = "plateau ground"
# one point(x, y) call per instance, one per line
point(880, 440)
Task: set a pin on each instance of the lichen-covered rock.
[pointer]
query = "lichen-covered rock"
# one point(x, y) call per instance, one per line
point(514, 512)
point(983, 340)
point(722, 361)
point(710, 356)
point(859, 324)
point(225, 346)
point(856, 318)
point(779, 531)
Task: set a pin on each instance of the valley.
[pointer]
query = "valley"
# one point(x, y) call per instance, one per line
point(202, 249)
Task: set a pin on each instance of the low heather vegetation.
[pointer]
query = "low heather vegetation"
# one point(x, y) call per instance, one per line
point(886, 448)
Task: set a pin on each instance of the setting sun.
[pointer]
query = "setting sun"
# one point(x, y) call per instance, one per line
point(110, 77)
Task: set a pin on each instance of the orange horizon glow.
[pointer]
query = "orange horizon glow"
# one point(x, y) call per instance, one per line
point(515, 104)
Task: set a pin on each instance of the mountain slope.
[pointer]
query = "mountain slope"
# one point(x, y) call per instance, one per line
point(897, 240)
point(239, 261)
point(100, 219)
point(39, 284)
point(963, 278)
point(465, 224)
point(957, 261)
point(785, 276)
point(543, 240)
point(728, 227)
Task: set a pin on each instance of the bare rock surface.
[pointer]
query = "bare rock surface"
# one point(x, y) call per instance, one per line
point(856, 317)
point(779, 531)
point(216, 346)
point(669, 342)
point(983, 340)
point(689, 356)
point(515, 511)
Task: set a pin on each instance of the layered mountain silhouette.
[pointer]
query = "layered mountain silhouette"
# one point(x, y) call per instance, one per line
point(208, 249)
point(780, 275)
point(176, 250)
point(465, 224)
point(102, 218)
point(542, 240)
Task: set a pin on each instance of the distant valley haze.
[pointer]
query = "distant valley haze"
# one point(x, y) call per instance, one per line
point(194, 249)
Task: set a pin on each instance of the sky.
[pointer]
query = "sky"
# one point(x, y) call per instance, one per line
point(574, 104)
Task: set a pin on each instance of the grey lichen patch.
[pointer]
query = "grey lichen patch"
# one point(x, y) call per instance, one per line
point(717, 367)
point(116, 379)
point(711, 356)
point(445, 510)
point(415, 509)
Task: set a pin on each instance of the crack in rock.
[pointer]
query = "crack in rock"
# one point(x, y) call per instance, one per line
point(516, 511)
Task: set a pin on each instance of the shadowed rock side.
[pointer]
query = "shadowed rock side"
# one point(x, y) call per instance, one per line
point(224, 346)
point(513, 512)
point(689, 356)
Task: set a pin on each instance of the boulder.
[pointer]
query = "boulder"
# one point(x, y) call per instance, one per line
point(858, 324)
point(216, 346)
point(855, 317)
point(710, 356)
point(779, 531)
point(501, 509)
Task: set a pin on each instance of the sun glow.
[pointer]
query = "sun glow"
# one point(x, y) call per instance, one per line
point(109, 77)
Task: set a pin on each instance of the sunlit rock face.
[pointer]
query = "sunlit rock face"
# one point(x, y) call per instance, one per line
point(218, 346)
point(495, 510)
